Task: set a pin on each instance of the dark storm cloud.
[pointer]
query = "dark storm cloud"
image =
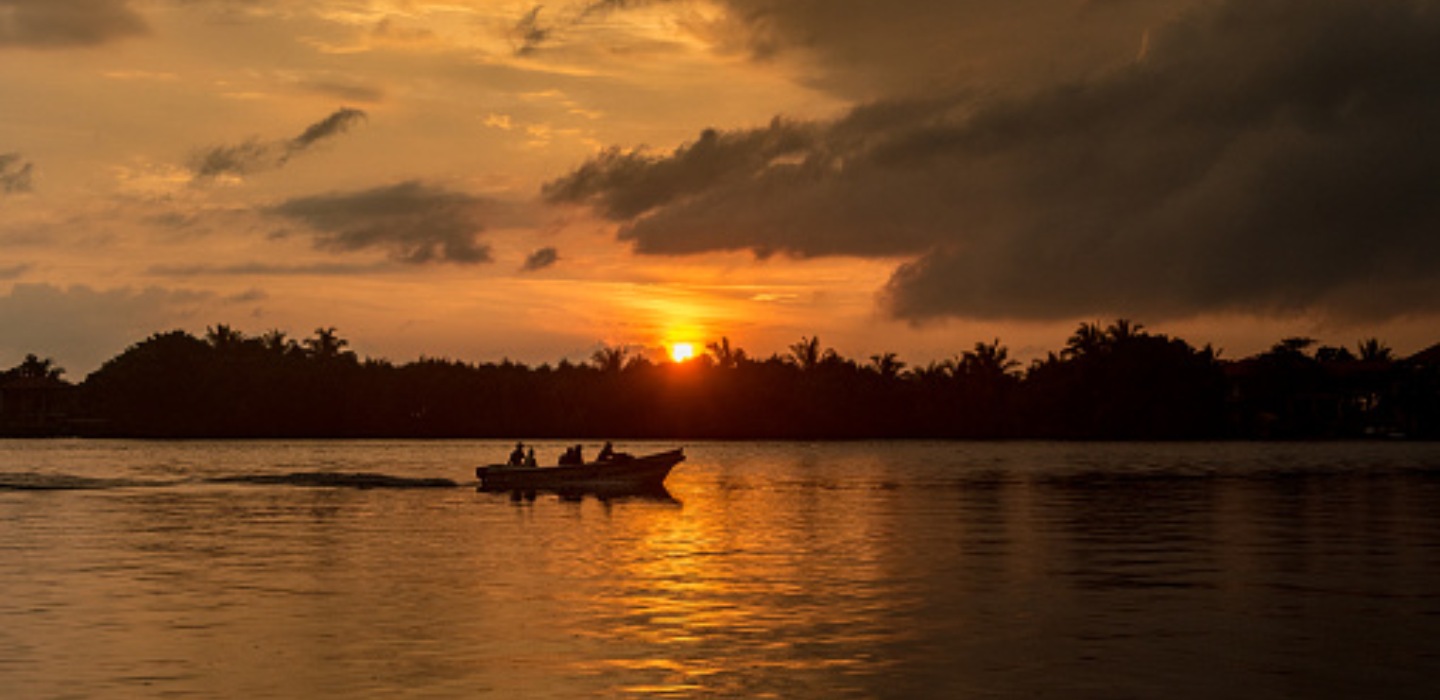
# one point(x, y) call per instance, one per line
point(1236, 167)
point(54, 24)
point(541, 259)
point(15, 176)
point(414, 221)
point(866, 50)
point(254, 155)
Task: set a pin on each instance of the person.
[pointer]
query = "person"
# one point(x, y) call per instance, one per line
point(607, 452)
point(569, 457)
point(517, 456)
point(530, 458)
point(579, 455)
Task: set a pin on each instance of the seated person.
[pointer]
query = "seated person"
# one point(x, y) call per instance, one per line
point(517, 455)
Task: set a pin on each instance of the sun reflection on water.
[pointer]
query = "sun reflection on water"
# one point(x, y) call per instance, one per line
point(710, 597)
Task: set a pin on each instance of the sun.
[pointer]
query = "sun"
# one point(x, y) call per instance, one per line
point(681, 352)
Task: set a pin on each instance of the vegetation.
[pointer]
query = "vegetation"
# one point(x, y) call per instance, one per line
point(1108, 382)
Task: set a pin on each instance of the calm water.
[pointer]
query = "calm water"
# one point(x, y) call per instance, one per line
point(892, 570)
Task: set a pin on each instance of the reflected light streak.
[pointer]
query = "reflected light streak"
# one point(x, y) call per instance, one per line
point(706, 596)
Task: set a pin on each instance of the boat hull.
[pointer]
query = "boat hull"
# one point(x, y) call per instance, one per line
point(645, 473)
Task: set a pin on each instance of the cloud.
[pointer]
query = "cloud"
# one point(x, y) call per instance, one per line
point(254, 269)
point(55, 24)
point(541, 259)
point(527, 34)
point(337, 123)
point(1233, 168)
point(11, 272)
point(344, 89)
point(414, 221)
point(14, 175)
point(865, 50)
point(254, 155)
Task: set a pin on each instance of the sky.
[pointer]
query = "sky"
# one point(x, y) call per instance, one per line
point(486, 179)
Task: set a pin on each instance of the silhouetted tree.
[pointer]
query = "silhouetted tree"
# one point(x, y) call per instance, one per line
point(887, 365)
point(1372, 350)
point(609, 359)
point(328, 347)
point(724, 356)
point(808, 355)
point(33, 367)
point(223, 338)
point(1117, 381)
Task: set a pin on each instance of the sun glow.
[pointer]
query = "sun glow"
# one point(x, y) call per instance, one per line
point(681, 352)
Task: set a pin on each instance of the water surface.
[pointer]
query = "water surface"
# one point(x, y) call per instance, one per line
point(792, 570)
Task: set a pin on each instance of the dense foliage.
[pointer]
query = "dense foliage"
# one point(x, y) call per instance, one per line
point(1115, 382)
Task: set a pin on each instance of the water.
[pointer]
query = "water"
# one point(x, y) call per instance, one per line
point(886, 570)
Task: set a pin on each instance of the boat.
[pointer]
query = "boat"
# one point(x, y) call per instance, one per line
point(632, 474)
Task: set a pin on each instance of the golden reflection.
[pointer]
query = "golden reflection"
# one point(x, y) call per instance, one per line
point(704, 596)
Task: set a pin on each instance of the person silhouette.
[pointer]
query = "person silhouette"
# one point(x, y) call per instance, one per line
point(517, 456)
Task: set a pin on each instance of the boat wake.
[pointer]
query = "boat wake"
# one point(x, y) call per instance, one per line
point(359, 480)
point(25, 481)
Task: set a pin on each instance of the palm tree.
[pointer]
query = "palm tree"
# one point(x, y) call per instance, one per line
point(1372, 350)
point(609, 359)
point(223, 338)
point(934, 373)
point(1122, 330)
point(327, 345)
point(275, 342)
point(990, 361)
point(887, 365)
point(724, 355)
point(807, 354)
point(1088, 339)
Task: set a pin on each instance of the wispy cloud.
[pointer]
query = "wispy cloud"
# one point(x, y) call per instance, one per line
point(414, 221)
point(541, 259)
point(254, 155)
point(58, 24)
point(264, 269)
point(11, 272)
point(15, 176)
point(527, 33)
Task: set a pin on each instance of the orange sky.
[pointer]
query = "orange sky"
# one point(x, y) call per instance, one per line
point(485, 179)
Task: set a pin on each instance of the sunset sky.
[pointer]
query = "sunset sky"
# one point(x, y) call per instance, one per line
point(481, 179)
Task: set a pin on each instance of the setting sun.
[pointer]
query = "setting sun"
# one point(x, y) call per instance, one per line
point(681, 352)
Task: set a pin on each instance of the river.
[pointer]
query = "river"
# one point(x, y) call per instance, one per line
point(786, 570)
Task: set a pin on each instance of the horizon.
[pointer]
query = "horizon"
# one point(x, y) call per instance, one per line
point(694, 350)
point(505, 180)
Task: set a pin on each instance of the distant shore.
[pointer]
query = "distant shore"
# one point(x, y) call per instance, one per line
point(1117, 382)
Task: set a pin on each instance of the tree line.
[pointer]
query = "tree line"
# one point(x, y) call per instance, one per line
point(1116, 381)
